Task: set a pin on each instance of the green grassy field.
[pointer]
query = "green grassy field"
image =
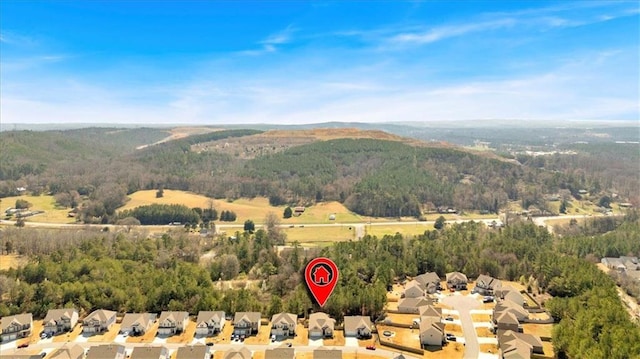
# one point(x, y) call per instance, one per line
point(319, 236)
point(409, 229)
point(52, 212)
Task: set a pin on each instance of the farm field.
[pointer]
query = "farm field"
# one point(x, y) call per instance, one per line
point(52, 212)
point(405, 230)
point(319, 235)
point(255, 209)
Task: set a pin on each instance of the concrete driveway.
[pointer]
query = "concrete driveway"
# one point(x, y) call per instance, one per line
point(464, 305)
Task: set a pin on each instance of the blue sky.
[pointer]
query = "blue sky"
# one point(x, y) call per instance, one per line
point(288, 62)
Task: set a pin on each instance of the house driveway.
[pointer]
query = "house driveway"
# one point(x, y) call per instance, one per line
point(464, 305)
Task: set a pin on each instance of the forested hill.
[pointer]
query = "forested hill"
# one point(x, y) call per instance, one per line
point(370, 176)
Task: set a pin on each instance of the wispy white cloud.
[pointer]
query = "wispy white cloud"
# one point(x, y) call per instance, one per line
point(443, 32)
point(271, 43)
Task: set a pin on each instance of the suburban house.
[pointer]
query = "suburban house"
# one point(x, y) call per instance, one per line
point(414, 289)
point(98, 321)
point(411, 305)
point(505, 321)
point(60, 320)
point(16, 327)
point(246, 323)
point(429, 281)
point(325, 353)
point(298, 210)
point(107, 351)
point(518, 345)
point(238, 353)
point(172, 322)
point(193, 352)
point(283, 325)
point(510, 293)
point(74, 351)
point(357, 326)
point(279, 353)
point(321, 325)
point(137, 323)
point(209, 323)
point(506, 305)
point(430, 311)
point(431, 331)
point(150, 353)
point(486, 285)
point(457, 281)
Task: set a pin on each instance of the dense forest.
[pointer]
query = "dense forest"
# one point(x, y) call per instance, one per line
point(95, 170)
point(97, 270)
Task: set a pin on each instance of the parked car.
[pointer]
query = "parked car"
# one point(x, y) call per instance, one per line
point(210, 344)
point(451, 337)
point(125, 333)
point(23, 345)
point(487, 299)
point(43, 335)
point(371, 347)
point(450, 319)
point(273, 338)
point(289, 345)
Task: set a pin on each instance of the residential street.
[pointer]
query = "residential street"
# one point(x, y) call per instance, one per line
point(464, 304)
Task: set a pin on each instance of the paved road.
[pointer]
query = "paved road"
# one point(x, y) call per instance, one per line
point(463, 304)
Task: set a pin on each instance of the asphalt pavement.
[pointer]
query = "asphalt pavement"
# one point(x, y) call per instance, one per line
point(464, 304)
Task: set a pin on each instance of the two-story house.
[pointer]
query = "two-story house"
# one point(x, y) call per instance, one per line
point(209, 323)
point(98, 321)
point(246, 323)
point(283, 325)
point(16, 327)
point(171, 323)
point(60, 320)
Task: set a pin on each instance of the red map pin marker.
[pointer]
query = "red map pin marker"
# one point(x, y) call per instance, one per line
point(321, 275)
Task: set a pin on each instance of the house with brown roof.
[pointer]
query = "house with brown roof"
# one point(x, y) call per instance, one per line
point(137, 323)
point(414, 289)
point(279, 353)
point(283, 325)
point(321, 325)
point(98, 321)
point(193, 352)
point(515, 345)
point(16, 327)
point(430, 311)
point(246, 323)
point(411, 305)
point(210, 323)
point(506, 305)
point(429, 281)
point(457, 281)
point(325, 353)
point(357, 326)
point(150, 353)
point(431, 331)
point(238, 353)
point(510, 293)
point(505, 321)
point(172, 322)
point(73, 351)
point(60, 320)
point(486, 285)
point(107, 351)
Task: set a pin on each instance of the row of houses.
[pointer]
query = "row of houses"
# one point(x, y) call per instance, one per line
point(507, 315)
point(208, 323)
point(429, 283)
